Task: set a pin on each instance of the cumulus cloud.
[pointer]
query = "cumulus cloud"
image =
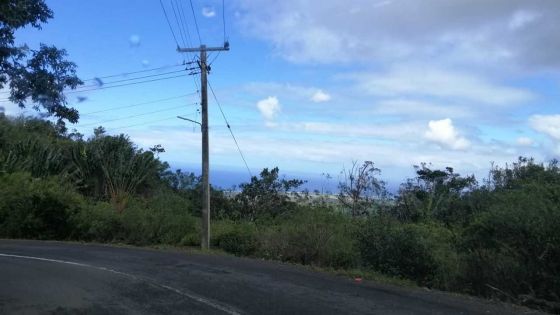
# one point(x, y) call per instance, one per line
point(208, 12)
point(357, 30)
point(269, 108)
point(444, 133)
point(320, 96)
point(547, 124)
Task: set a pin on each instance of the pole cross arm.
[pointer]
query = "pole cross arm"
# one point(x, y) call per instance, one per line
point(203, 47)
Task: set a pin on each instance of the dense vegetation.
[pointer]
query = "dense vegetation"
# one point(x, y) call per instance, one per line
point(498, 239)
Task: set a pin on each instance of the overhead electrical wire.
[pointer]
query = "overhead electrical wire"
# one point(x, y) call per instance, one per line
point(134, 72)
point(111, 86)
point(169, 23)
point(147, 122)
point(126, 84)
point(140, 104)
point(229, 128)
point(133, 116)
point(225, 36)
point(125, 74)
point(132, 79)
point(224, 19)
point(180, 26)
point(195, 23)
point(185, 22)
point(141, 124)
point(94, 88)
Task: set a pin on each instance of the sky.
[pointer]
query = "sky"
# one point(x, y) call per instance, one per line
point(311, 86)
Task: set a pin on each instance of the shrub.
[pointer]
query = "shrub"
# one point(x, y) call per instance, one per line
point(238, 238)
point(163, 219)
point(422, 252)
point(311, 235)
point(36, 208)
point(156, 225)
point(513, 249)
point(98, 222)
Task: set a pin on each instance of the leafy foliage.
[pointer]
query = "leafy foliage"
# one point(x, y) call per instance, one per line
point(422, 252)
point(113, 166)
point(442, 230)
point(36, 208)
point(432, 194)
point(36, 77)
point(312, 235)
point(267, 195)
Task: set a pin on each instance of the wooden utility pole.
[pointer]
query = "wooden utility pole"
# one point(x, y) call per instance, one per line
point(205, 237)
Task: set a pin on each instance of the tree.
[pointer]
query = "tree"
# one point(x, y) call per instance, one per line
point(360, 188)
point(267, 195)
point(34, 77)
point(432, 194)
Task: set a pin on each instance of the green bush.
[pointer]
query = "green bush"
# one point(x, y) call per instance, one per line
point(513, 249)
point(162, 219)
point(422, 252)
point(98, 222)
point(311, 235)
point(145, 225)
point(238, 238)
point(36, 208)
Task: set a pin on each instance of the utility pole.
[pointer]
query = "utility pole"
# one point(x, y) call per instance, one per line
point(205, 237)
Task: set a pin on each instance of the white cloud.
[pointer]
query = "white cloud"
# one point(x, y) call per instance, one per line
point(208, 12)
point(444, 133)
point(11, 109)
point(395, 31)
point(414, 108)
point(269, 108)
point(134, 40)
point(320, 96)
point(525, 141)
point(547, 124)
point(387, 131)
point(426, 81)
point(522, 18)
point(312, 154)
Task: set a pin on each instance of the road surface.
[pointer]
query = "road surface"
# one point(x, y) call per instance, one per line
point(38, 277)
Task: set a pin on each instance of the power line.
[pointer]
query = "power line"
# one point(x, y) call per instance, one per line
point(196, 23)
point(146, 123)
point(169, 23)
point(134, 72)
point(124, 74)
point(229, 128)
point(185, 21)
point(108, 87)
point(224, 19)
point(179, 25)
point(132, 79)
point(141, 124)
point(126, 84)
point(140, 104)
point(215, 57)
point(132, 116)
point(94, 87)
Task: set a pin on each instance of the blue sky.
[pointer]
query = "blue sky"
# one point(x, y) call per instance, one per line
point(310, 86)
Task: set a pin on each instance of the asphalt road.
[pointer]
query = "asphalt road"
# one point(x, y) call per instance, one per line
point(65, 278)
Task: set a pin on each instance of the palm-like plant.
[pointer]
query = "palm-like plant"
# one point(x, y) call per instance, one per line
point(112, 167)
